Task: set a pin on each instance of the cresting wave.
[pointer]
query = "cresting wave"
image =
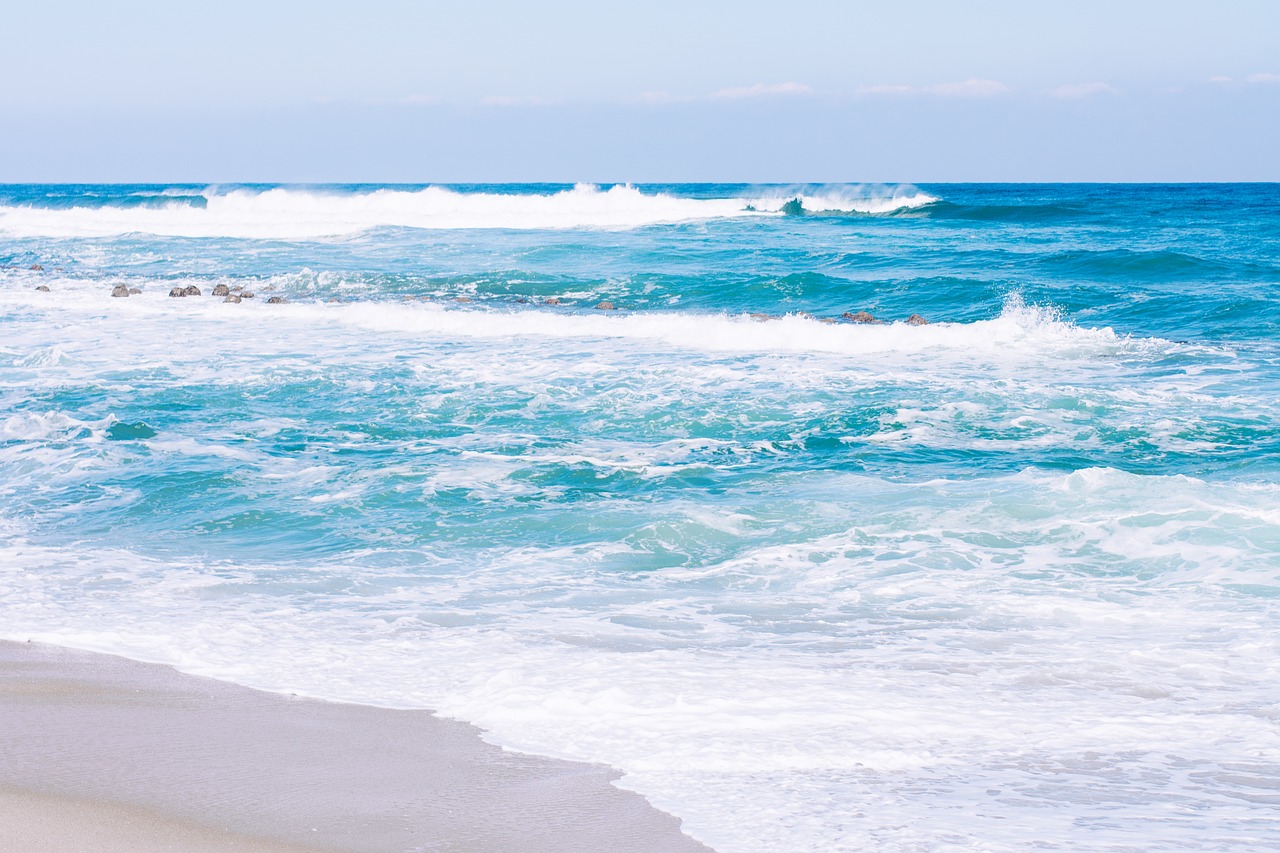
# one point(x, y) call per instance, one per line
point(1028, 331)
point(296, 213)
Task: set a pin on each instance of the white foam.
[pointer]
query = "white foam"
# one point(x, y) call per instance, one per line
point(911, 681)
point(1019, 329)
point(862, 198)
point(293, 213)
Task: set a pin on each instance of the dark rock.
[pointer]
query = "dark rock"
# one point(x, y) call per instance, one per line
point(232, 297)
point(277, 300)
point(605, 306)
point(520, 300)
point(917, 320)
point(191, 290)
point(246, 294)
point(134, 291)
point(826, 320)
point(221, 290)
point(551, 300)
point(462, 299)
point(175, 292)
point(334, 299)
point(44, 288)
point(36, 268)
point(237, 288)
point(858, 317)
point(761, 317)
point(120, 290)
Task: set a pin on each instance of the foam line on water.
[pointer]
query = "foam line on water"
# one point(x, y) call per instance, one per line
point(294, 213)
point(1018, 329)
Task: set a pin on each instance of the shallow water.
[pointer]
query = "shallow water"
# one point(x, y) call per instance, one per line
point(1009, 579)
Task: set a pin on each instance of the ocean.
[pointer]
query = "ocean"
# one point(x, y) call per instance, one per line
point(1007, 580)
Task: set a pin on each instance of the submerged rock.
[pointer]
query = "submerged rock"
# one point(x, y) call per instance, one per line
point(462, 299)
point(232, 297)
point(119, 290)
point(761, 317)
point(191, 290)
point(917, 320)
point(246, 294)
point(333, 299)
point(605, 306)
point(551, 300)
point(175, 292)
point(43, 288)
point(237, 288)
point(277, 300)
point(36, 268)
point(858, 317)
point(827, 320)
point(221, 290)
point(133, 291)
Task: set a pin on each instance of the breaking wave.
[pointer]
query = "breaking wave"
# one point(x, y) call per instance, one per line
point(293, 213)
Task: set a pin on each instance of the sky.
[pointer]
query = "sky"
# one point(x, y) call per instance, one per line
point(913, 91)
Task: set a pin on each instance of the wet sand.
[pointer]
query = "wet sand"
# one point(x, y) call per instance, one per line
point(99, 753)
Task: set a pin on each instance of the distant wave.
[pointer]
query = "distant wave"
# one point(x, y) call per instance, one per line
point(862, 198)
point(296, 213)
point(1020, 328)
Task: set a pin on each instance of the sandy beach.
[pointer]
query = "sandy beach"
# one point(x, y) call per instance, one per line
point(99, 753)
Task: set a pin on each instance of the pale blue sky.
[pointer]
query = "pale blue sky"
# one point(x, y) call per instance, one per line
point(566, 91)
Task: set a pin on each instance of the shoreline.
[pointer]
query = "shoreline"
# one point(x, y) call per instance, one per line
point(101, 750)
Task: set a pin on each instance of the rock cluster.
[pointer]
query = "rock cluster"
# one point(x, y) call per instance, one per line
point(120, 290)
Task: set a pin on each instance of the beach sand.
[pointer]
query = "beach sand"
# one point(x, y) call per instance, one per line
point(99, 753)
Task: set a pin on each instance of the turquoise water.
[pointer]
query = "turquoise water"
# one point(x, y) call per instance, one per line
point(1007, 579)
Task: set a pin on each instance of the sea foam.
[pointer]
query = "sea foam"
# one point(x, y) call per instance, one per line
point(297, 213)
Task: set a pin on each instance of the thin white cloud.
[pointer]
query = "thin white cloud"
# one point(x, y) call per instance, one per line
point(739, 93)
point(971, 88)
point(1263, 78)
point(518, 101)
point(1220, 79)
point(660, 98)
point(1080, 91)
point(886, 89)
point(761, 90)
